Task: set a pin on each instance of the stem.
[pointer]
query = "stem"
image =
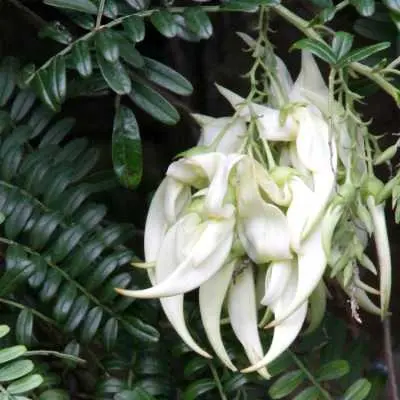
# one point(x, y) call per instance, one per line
point(304, 26)
point(393, 391)
point(324, 393)
point(55, 354)
point(100, 14)
point(32, 310)
point(217, 381)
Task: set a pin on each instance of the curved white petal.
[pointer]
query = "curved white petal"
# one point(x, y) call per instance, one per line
point(208, 255)
point(211, 297)
point(311, 266)
point(177, 197)
point(383, 250)
point(270, 127)
point(262, 227)
point(276, 279)
point(285, 83)
point(218, 188)
point(303, 201)
point(169, 200)
point(317, 307)
point(287, 331)
point(233, 137)
point(242, 311)
point(173, 306)
point(309, 80)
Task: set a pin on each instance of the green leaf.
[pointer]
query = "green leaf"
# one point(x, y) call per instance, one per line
point(57, 132)
point(85, 21)
point(333, 370)
point(84, 6)
point(363, 53)
point(54, 394)
point(198, 22)
point(166, 77)
point(15, 370)
point(311, 393)
point(286, 384)
point(365, 7)
point(342, 43)
point(81, 59)
point(77, 314)
point(235, 382)
point(22, 104)
point(358, 390)
point(138, 4)
point(194, 366)
point(110, 333)
point(107, 46)
point(197, 388)
point(394, 5)
point(134, 28)
point(26, 384)
point(322, 3)
point(320, 49)
point(91, 324)
point(39, 119)
point(140, 330)
point(43, 88)
point(56, 31)
point(153, 103)
point(126, 148)
point(24, 327)
point(136, 394)
point(65, 300)
point(115, 75)
point(164, 22)
point(129, 53)
point(11, 353)
point(239, 5)
point(8, 77)
point(4, 330)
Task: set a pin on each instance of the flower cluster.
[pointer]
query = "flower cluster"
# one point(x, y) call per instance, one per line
point(256, 212)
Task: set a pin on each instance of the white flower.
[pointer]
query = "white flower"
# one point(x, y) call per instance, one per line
point(226, 133)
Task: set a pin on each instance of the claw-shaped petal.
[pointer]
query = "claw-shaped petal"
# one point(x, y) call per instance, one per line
point(169, 200)
point(226, 133)
point(173, 306)
point(211, 297)
point(242, 311)
point(262, 227)
point(317, 307)
point(276, 279)
point(208, 253)
point(383, 250)
point(311, 266)
point(287, 331)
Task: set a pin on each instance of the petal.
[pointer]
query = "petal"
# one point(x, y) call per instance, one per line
point(177, 197)
point(276, 279)
point(233, 137)
point(383, 251)
point(262, 227)
point(303, 201)
point(187, 172)
point(219, 186)
point(211, 297)
point(317, 308)
point(311, 266)
point(270, 127)
point(287, 331)
point(156, 224)
point(173, 306)
point(207, 257)
point(312, 141)
point(284, 80)
point(242, 311)
point(309, 79)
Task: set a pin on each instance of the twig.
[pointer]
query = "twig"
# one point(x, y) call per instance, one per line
point(387, 339)
point(37, 21)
